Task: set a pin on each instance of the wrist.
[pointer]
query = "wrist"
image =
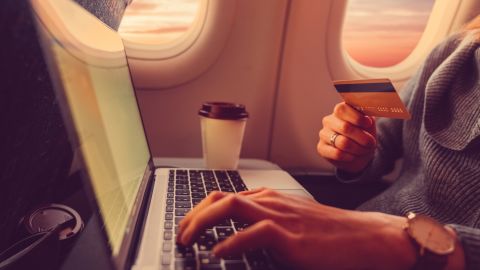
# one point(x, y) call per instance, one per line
point(401, 243)
point(390, 244)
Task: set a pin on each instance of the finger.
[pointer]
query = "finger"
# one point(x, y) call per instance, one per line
point(262, 192)
point(373, 128)
point(344, 143)
point(329, 152)
point(210, 199)
point(264, 234)
point(253, 191)
point(285, 198)
point(231, 206)
point(348, 113)
point(349, 130)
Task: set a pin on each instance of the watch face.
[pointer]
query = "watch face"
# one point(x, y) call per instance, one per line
point(431, 235)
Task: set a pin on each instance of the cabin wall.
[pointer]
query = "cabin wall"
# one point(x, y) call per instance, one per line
point(279, 60)
point(274, 58)
point(305, 92)
point(245, 72)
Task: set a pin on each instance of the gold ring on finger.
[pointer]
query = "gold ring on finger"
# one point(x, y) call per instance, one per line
point(333, 137)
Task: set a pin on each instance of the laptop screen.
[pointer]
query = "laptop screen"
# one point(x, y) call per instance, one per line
point(93, 82)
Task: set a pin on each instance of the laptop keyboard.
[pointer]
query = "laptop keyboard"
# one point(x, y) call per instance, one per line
point(186, 188)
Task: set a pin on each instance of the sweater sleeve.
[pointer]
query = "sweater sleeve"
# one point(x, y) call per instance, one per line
point(470, 239)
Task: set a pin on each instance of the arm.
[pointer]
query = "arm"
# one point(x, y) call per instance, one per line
point(302, 233)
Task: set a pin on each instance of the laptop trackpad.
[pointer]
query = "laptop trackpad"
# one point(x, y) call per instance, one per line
point(275, 179)
point(299, 192)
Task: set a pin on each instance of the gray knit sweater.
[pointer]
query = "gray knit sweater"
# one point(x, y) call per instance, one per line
point(440, 145)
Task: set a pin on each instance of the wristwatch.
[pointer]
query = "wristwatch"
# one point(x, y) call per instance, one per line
point(433, 241)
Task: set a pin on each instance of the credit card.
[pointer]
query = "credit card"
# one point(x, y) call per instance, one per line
point(374, 97)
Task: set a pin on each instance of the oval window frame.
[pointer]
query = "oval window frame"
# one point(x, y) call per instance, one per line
point(343, 66)
point(161, 66)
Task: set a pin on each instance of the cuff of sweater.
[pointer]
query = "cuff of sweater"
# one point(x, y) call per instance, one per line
point(470, 239)
point(346, 177)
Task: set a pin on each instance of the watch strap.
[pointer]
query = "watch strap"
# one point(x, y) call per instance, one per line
point(430, 261)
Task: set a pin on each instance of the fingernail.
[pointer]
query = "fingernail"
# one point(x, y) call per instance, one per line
point(367, 122)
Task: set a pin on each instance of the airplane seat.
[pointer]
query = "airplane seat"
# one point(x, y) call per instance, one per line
point(36, 154)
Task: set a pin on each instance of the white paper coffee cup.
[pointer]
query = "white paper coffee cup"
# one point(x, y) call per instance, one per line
point(223, 125)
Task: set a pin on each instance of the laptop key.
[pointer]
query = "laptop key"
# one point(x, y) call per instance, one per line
point(181, 172)
point(206, 245)
point(169, 208)
point(181, 211)
point(240, 226)
point(196, 185)
point(167, 246)
point(185, 264)
point(210, 188)
point(168, 216)
point(183, 205)
point(196, 201)
point(197, 189)
point(184, 252)
point(207, 235)
point(182, 192)
point(182, 198)
point(208, 258)
point(198, 195)
point(181, 186)
point(168, 225)
point(181, 182)
point(221, 174)
point(227, 189)
point(169, 201)
point(167, 235)
point(170, 195)
point(236, 265)
point(224, 232)
point(170, 189)
point(233, 258)
point(166, 259)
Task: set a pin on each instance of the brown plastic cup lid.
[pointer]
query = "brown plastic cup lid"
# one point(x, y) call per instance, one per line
point(223, 110)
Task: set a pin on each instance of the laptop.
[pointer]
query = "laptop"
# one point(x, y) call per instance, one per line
point(139, 206)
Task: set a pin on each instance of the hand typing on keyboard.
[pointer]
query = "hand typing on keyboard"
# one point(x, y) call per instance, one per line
point(301, 233)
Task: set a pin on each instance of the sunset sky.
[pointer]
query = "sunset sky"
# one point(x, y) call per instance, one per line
point(377, 32)
point(383, 32)
point(158, 21)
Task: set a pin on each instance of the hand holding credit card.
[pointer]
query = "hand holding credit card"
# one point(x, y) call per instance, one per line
point(373, 97)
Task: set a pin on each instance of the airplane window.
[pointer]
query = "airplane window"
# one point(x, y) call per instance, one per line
point(381, 33)
point(158, 21)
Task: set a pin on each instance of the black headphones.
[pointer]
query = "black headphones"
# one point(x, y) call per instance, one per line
point(49, 228)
